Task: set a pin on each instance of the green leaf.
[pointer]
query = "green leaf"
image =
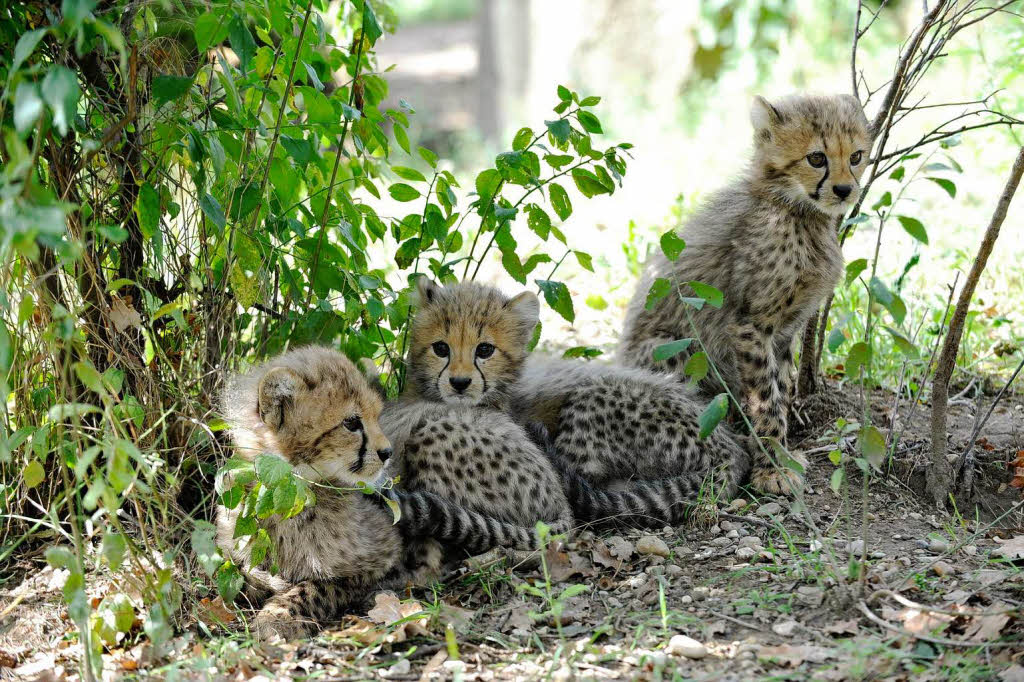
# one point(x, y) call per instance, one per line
point(836, 481)
point(403, 192)
point(587, 183)
point(167, 88)
point(914, 228)
point(229, 581)
point(697, 366)
point(33, 474)
point(25, 46)
point(898, 174)
point(114, 548)
point(582, 352)
point(590, 101)
point(872, 445)
point(659, 290)
point(428, 156)
point(557, 296)
point(836, 338)
point(538, 221)
point(597, 302)
point(407, 252)
point(210, 29)
point(560, 201)
point(63, 411)
point(522, 139)
point(244, 200)
point(559, 130)
point(28, 107)
point(213, 211)
point(60, 91)
point(241, 42)
point(401, 137)
point(883, 201)
point(672, 348)
point(589, 122)
point(945, 184)
point(672, 245)
point(90, 377)
point(147, 208)
point(892, 302)
point(556, 161)
point(371, 27)
point(710, 294)
point(854, 268)
point(410, 174)
point(905, 345)
point(585, 260)
point(564, 94)
point(299, 149)
point(113, 233)
point(858, 357)
point(713, 413)
point(270, 469)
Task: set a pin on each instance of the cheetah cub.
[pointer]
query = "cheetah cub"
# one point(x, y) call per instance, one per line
point(628, 440)
point(466, 346)
point(768, 241)
point(313, 408)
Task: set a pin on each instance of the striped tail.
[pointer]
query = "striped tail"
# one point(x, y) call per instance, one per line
point(654, 503)
point(427, 515)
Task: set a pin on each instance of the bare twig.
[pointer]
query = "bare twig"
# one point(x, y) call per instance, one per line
point(927, 638)
point(939, 474)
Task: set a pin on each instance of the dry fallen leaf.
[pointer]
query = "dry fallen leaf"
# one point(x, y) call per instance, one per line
point(519, 619)
point(215, 612)
point(389, 610)
point(794, 655)
point(842, 628)
point(123, 315)
point(620, 548)
point(984, 627)
point(602, 556)
point(564, 565)
point(1012, 549)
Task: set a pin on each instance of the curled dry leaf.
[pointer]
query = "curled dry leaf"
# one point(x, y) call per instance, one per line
point(215, 612)
point(123, 315)
point(842, 628)
point(1011, 550)
point(620, 548)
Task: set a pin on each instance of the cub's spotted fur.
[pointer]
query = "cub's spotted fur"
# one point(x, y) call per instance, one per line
point(629, 439)
point(768, 241)
point(313, 408)
point(466, 345)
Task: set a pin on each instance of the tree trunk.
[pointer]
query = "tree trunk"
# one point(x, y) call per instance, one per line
point(940, 473)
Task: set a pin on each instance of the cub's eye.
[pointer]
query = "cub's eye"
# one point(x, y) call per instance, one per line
point(440, 349)
point(484, 350)
point(856, 157)
point(816, 159)
point(353, 423)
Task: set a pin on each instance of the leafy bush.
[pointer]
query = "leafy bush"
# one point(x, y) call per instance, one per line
point(190, 186)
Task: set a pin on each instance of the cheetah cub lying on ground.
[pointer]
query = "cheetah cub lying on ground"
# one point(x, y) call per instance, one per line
point(769, 242)
point(629, 440)
point(466, 345)
point(314, 409)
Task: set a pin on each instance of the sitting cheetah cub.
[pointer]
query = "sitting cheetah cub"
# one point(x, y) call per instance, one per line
point(466, 345)
point(631, 435)
point(768, 241)
point(313, 408)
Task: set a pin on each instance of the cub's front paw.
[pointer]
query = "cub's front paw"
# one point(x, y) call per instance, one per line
point(781, 480)
point(275, 623)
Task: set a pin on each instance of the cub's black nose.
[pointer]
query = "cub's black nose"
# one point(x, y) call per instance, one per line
point(384, 454)
point(842, 191)
point(460, 384)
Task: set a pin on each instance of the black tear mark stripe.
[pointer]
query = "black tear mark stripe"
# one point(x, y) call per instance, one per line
point(355, 468)
point(481, 372)
point(817, 190)
point(437, 381)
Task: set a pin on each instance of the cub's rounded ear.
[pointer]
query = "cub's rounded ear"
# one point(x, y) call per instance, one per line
point(525, 310)
point(427, 291)
point(764, 117)
point(277, 391)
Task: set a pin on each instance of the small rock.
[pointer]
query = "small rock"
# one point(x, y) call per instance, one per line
point(721, 542)
point(936, 546)
point(878, 554)
point(672, 570)
point(942, 569)
point(681, 645)
point(728, 526)
point(736, 505)
point(745, 552)
point(655, 570)
point(400, 668)
point(750, 541)
point(699, 593)
point(686, 599)
point(915, 515)
point(650, 544)
point(810, 595)
point(855, 547)
point(970, 550)
point(733, 534)
point(784, 628)
point(668, 530)
point(770, 509)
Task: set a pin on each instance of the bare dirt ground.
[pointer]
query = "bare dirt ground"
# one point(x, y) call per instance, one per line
point(770, 590)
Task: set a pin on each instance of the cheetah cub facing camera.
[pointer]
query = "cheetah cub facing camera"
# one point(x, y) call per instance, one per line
point(313, 408)
point(768, 241)
point(466, 347)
